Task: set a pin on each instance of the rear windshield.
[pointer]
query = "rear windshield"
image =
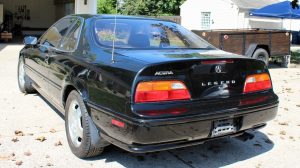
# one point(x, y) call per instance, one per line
point(146, 34)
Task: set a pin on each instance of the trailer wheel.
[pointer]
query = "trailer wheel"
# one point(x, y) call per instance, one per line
point(261, 54)
point(286, 61)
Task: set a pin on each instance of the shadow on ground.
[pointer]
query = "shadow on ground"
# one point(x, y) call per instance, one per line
point(2, 46)
point(275, 65)
point(212, 154)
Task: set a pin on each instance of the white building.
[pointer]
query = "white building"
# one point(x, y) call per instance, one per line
point(230, 14)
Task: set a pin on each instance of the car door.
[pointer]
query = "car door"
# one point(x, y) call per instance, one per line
point(61, 60)
point(37, 59)
point(44, 50)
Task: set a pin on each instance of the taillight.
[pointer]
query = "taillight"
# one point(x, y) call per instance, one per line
point(155, 91)
point(257, 82)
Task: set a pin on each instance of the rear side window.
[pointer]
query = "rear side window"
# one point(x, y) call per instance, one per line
point(70, 41)
point(105, 33)
point(54, 35)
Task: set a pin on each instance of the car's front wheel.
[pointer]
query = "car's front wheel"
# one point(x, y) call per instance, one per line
point(79, 128)
point(24, 81)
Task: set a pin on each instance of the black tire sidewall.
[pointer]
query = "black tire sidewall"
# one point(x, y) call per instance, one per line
point(27, 88)
point(258, 52)
point(83, 150)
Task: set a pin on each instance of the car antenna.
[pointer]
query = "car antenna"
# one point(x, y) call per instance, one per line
point(114, 35)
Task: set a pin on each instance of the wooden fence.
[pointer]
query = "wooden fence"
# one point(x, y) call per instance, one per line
point(176, 19)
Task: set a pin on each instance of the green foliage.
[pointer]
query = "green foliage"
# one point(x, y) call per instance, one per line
point(295, 4)
point(151, 7)
point(295, 57)
point(148, 7)
point(106, 6)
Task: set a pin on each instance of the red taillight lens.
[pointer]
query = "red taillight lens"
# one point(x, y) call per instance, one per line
point(161, 91)
point(257, 82)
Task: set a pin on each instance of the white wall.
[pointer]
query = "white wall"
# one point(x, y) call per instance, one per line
point(224, 14)
point(273, 23)
point(291, 24)
point(89, 8)
point(265, 23)
point(42, 11)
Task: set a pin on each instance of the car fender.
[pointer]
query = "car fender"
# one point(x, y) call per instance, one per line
point(73, 84)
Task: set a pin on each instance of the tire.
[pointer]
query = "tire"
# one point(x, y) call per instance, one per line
point(24, 81)
point(261, 54)
point(286, 61)
point(77, 119)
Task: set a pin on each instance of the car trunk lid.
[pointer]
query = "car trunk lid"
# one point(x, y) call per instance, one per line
point(207, 78)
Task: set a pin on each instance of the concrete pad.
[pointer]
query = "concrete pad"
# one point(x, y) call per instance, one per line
point(277, 145)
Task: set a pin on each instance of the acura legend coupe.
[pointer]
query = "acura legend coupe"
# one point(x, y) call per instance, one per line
point(143, 84)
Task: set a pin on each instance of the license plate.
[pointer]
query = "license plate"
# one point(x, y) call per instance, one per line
point(223, 127)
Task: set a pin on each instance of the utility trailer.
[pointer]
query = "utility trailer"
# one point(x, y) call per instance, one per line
point(255, 43)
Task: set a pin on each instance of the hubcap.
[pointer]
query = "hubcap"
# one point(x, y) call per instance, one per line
point(21, 76)
point(75, 123)
point(262, 58)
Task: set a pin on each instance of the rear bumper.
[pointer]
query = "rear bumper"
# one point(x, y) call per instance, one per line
point(144, 148)
point(162, 134)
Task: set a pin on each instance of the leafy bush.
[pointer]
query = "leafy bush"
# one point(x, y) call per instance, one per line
point(106, 6)
point(295, 57)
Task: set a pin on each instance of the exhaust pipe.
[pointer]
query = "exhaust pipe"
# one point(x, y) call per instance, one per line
point(245, 136)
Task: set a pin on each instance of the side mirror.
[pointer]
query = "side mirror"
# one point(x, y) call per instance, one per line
point(29, 40)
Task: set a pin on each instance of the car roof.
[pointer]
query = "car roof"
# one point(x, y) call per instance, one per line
point(110, 16)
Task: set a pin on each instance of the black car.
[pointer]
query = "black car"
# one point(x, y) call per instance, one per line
point(143, 84)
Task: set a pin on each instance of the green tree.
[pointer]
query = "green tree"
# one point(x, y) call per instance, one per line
point(151, 7)
point(147, 7)
point(295, 4)
point(106, 6)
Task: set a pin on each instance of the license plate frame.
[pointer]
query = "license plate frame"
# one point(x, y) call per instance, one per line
point(223, 127)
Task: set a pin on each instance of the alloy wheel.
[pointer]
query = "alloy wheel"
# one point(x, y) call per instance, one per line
point(75, 123)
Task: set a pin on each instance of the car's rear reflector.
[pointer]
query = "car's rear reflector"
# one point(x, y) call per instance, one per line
point(173, 111)
point(118, 123)
point(249, 101)
point(257, 82)
point(155, 91)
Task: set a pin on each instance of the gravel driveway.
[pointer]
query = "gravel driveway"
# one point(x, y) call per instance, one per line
point(32, 133)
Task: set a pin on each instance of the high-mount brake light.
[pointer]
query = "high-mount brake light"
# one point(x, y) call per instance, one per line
point(155, 91)
point(257, 82)
point(209, 62)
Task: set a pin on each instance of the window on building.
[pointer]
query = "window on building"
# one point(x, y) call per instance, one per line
point(205, 20)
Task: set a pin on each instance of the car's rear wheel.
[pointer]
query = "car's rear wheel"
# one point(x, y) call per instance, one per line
point(24, 81)
point(78, 127)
